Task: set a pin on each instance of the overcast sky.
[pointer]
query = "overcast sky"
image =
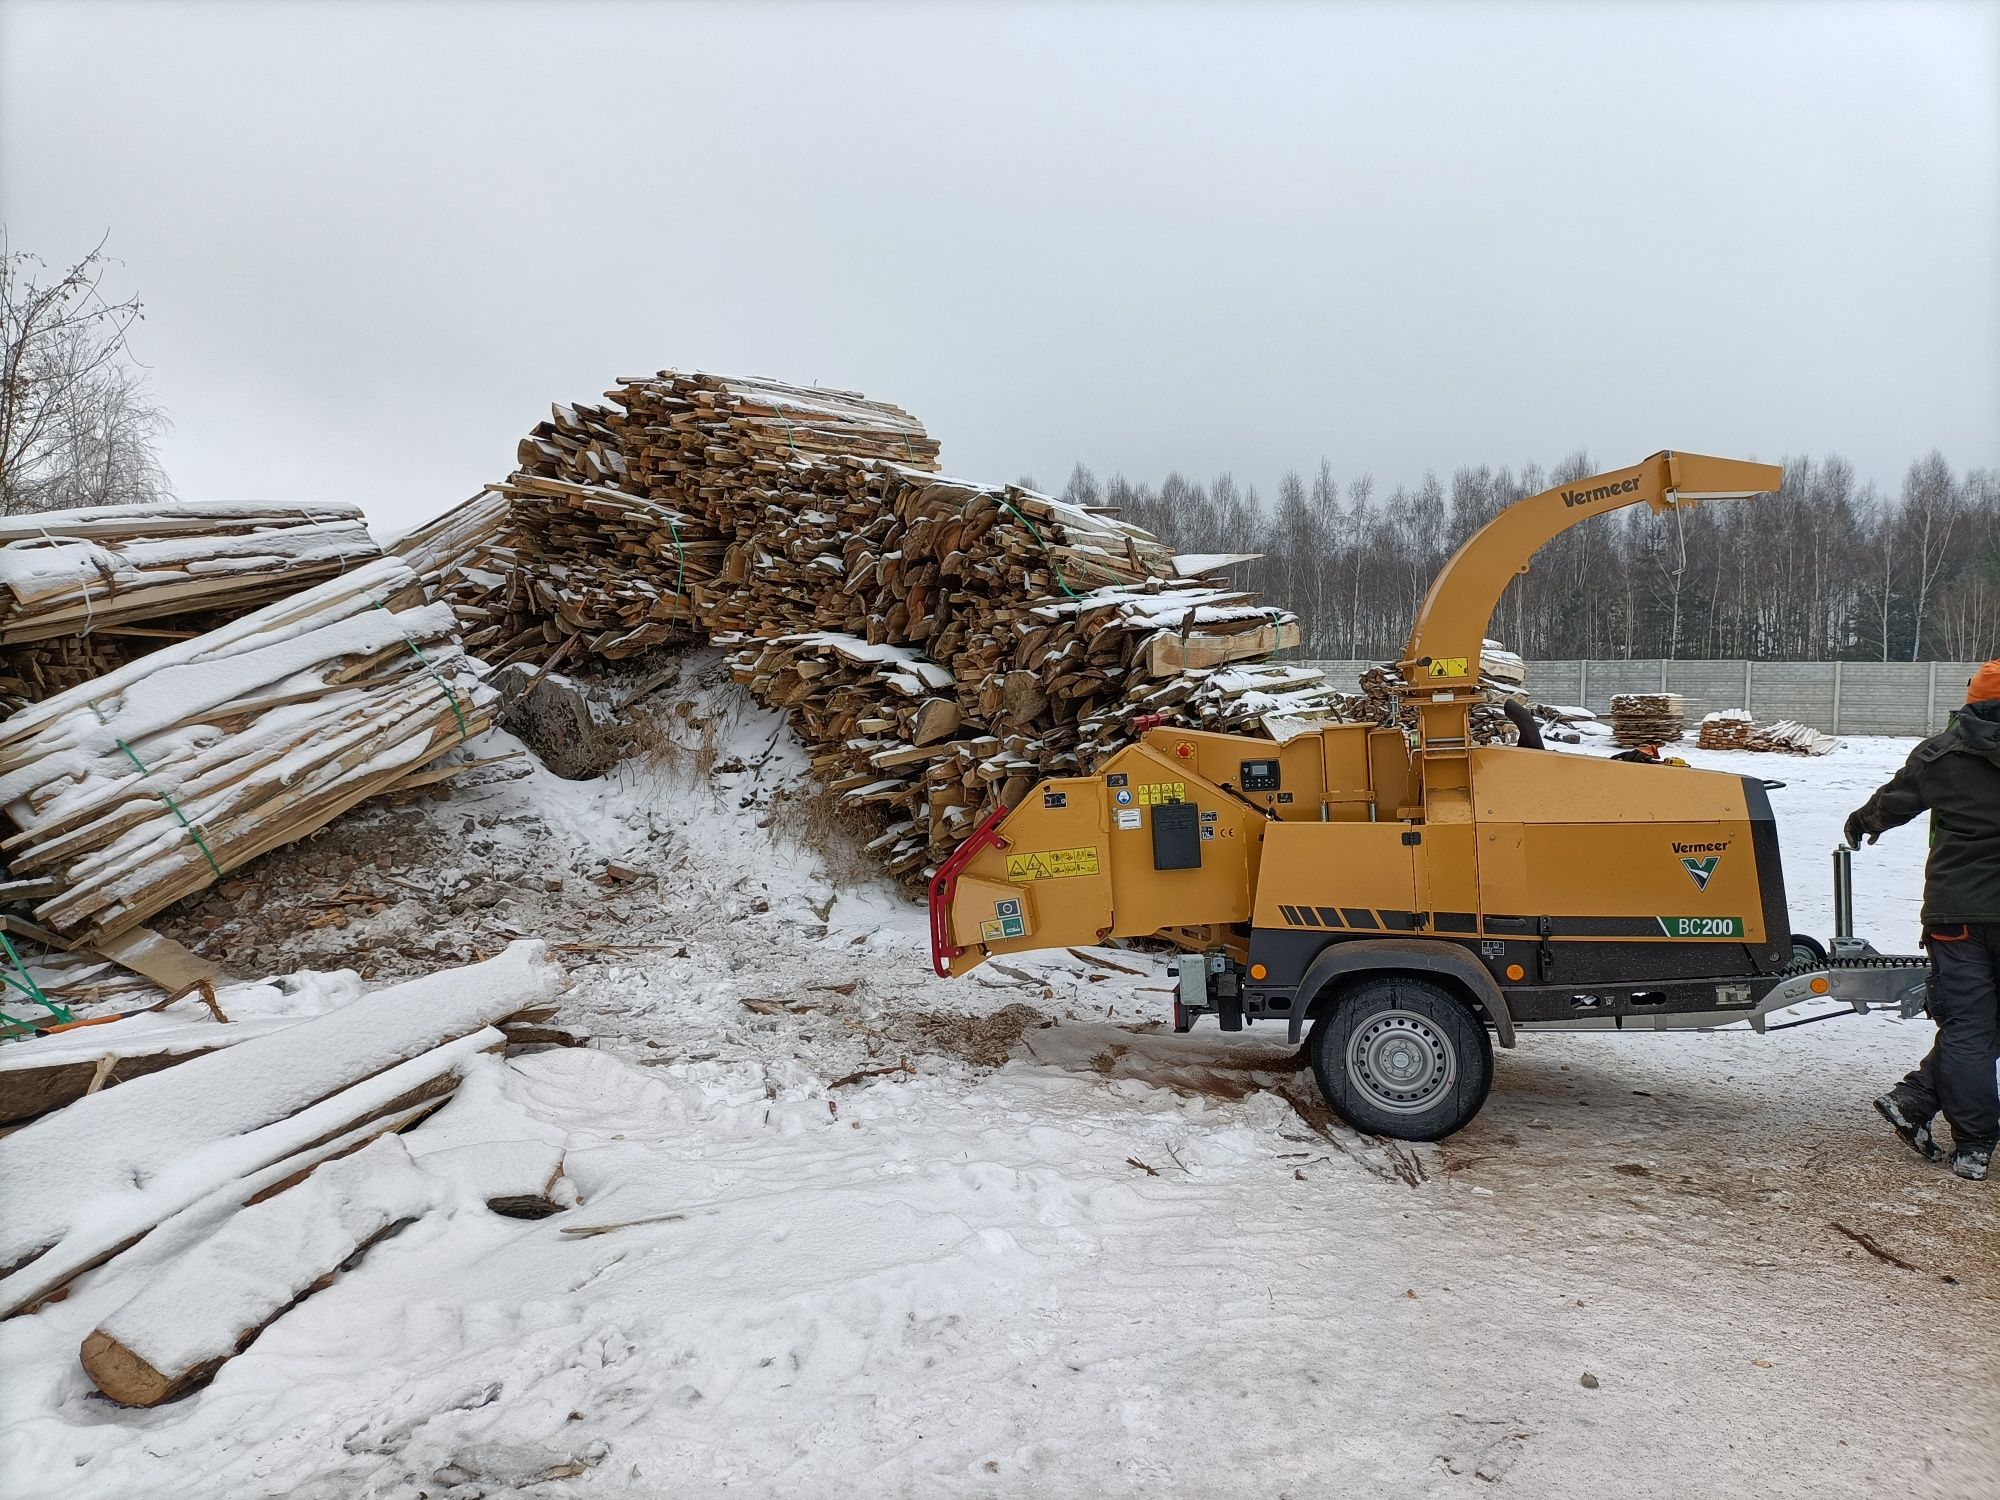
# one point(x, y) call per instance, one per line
point(376, 241)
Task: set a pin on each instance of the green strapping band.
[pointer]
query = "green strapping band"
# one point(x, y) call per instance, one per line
point(1054, 566)
point(450, 697)
point(173, 807)
point(680, 579)
point(27, 986)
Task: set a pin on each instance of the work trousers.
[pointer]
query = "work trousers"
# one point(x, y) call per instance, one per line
point(1964, 999)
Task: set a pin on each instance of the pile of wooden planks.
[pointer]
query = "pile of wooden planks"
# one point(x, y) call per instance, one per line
point(1733, 729)
point(277, 1155)
point(146, 785)
point(82, 592)
point(1648, 718)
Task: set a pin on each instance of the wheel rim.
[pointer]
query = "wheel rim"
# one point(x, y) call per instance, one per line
point(1401, 1062)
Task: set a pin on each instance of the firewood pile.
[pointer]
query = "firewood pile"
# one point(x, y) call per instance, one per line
point(1727, 730)
point(1734, 729)
point(279, 1149)
point(83, 592)
point(145, 785)
point(1648, 718)
point(937, 643)
point(1385, 698)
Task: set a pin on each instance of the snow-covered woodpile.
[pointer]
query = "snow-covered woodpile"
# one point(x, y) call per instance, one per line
point(131, 791)
point(1648, 718)
point(82, 592)
point(268, 1161)
point(937, 641)
point(1734, 729)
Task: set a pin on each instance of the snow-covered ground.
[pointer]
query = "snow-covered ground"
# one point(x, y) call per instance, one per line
point(846, 1229)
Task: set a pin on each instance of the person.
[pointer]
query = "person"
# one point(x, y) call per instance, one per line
point(1956, 775)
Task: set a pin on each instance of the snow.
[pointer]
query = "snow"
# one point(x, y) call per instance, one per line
point(267, 1255)
point(1095, 1259)
point(1194, 564)
point(905, 661)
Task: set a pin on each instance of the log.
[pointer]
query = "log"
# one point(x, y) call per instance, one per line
point(210, 1303)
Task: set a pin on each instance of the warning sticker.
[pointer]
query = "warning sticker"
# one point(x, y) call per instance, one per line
point(1130, 817)
point(1002, 927)
point(1155, 792)
point(1447, 666)
point(1052, 864)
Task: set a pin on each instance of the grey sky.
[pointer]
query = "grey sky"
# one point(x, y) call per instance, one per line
point(377, 241)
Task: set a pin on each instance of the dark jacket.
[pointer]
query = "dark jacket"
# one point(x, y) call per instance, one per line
point(1957, 776)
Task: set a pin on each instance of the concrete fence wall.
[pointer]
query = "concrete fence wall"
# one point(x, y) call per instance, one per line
point(1852, 697)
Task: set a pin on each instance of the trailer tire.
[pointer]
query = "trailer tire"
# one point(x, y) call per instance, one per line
point(1401, 1056)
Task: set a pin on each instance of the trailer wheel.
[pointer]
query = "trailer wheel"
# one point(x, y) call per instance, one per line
point(1403, 1057)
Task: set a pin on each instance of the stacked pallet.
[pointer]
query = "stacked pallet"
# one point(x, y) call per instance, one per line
point(276, 1150)
point(83, 592)
point(1648, 718)
point(146, 785)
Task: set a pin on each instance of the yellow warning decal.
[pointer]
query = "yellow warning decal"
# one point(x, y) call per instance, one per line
point(1156, 792)
point(1052, 864)
point(1448, 666)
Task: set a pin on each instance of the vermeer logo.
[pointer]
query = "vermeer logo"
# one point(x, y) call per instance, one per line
point(1602, 492)
point(1701, 871)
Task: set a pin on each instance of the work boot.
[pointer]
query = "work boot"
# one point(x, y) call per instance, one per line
point(1971, 1162)
point(1916, 1134)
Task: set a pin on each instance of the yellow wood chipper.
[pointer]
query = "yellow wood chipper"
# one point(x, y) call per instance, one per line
point(1409, 894)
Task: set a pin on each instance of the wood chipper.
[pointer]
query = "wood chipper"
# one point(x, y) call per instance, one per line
point(1411, 895)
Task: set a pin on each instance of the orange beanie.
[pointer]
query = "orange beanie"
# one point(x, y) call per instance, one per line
point(1985, 684)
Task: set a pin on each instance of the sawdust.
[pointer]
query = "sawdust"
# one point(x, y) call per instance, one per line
point(984, 1041)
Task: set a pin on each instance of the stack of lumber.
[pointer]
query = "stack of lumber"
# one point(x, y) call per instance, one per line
point(84, 591)
point(1733, 729)
point(1648, 718)
point(148, 784)
point(1727, 730)
point(277, 1160)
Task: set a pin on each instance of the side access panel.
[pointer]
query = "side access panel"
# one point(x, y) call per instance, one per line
point(1345, 878)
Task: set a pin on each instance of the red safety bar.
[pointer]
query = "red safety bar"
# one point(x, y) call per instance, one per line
point(946, 881)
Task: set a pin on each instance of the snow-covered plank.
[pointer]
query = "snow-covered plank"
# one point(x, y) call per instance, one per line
point(208, 1304)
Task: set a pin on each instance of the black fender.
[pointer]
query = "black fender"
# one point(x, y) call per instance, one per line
point(1418, 955)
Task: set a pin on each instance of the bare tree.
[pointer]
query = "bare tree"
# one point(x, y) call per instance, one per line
point(76, 424)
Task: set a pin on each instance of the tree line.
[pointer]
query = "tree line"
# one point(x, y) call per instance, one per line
point(1829, 568)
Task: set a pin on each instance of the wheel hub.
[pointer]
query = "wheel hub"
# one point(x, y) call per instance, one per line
point(1401, 1061)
